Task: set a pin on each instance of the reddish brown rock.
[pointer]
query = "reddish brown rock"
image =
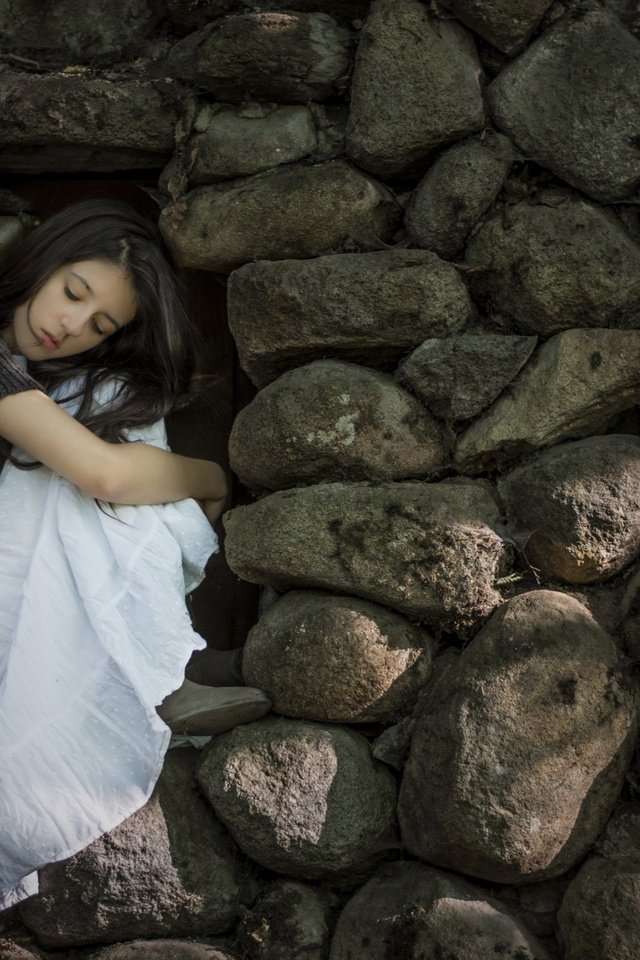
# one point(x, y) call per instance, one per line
point(529, 736)
point(337, 659)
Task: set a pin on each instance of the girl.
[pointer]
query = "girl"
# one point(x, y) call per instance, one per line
point(93, 627)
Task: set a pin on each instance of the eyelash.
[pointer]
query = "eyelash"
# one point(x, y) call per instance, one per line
point(71, 295)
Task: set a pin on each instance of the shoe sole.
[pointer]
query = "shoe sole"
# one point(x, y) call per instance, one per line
point(208, 720)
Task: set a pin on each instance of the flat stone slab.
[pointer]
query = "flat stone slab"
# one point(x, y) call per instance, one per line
point(577, 506)
point(303, 211)
point(332, 420)
point(559, 264)
point(171, 853)
point(58, 122)
point(337, 659)
point(415, 88)
point(300, 798)
point(438, 913)
point(459, 376)
point(573, 385)
point(529, 736)
point(586, 65)
point(367, 307)
point(425, 549)
point(286, 56)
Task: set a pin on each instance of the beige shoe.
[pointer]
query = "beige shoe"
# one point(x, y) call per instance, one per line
point(196, 710)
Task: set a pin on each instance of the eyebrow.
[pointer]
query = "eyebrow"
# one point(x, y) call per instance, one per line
point(107, 315)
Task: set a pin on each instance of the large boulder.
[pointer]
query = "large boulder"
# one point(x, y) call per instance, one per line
point(411, 910)
point(300, 798)
point(578, 508)
point(529, 736)
point(76, 31)
point(70, 122)
point(600, 913)
point(288, 920)
point(303, 211)
point(455, 192)
point(506, 24)
point(163, 950)
point(285, 56)
point(547, 268)
point(573, 386)
point(337, 659)
point(426, 549)
point(368, 307)
point(459, 376)
point(415, 88)
point(169, 870)
point(569, 102)
point(332, 420)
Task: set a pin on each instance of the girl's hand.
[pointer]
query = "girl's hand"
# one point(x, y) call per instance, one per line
point(212, 509)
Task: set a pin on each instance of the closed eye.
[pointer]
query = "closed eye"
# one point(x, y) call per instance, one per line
point(97, 328)
point(70, 294)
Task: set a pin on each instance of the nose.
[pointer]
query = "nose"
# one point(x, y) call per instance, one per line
point(74, 323)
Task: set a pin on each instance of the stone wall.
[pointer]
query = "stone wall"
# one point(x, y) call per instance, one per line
point(428, 215)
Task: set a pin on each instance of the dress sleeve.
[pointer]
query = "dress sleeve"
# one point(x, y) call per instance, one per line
point(13, 379)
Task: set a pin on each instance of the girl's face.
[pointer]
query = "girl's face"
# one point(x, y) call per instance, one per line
point(78, 307)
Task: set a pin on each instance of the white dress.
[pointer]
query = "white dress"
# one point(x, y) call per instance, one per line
point(94, 633)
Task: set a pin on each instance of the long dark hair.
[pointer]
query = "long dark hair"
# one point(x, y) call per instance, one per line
point(151, 357)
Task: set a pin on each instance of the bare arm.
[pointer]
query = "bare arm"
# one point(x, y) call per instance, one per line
point(133, 473)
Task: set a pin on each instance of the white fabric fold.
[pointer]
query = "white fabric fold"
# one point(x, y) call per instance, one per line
point(94, 633)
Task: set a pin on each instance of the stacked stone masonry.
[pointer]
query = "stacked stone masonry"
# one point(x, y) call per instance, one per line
point(426, 217)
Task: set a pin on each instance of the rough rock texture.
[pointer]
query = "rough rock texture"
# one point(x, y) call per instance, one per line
point(455, 192)
point(197, 13)
point(427, 550)
point(85, 30)
point(411, 910)
point(230, 141)
point(600, 913)
point(56, 122)
point(392, 746)
point(299, 798)
point(371, 307)
point(578, 508)
point(547, 268)
point(569, 102)
point(303, 211)
point(168, 870)
point(459, 376)
point(288, 920)
point(331, 420)
point(337, 659)
point(415, 88)
point(13, 951)
point(163, 950)
point(573, 385)
point(529, 737)
point(506, 24)
point(286, 56)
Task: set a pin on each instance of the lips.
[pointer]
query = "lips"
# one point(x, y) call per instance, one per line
point(49, 341)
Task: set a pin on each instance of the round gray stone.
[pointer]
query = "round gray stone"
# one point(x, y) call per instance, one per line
point(299, 798)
